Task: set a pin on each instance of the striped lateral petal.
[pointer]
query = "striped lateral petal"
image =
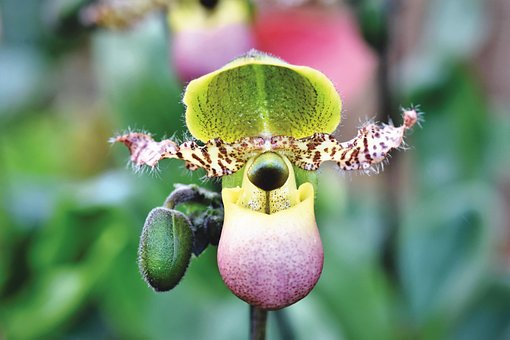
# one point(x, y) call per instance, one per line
point(218, 158)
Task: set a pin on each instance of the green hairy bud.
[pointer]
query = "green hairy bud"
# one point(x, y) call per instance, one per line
point(165, 248)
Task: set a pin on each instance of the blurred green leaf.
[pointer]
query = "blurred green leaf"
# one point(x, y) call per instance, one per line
point(353, 287)
point(452, 146)
point(54, 295)
point(133, 71)
point(445, 246)
point(489, 316)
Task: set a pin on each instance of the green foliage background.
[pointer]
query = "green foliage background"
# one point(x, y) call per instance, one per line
point(71, 212)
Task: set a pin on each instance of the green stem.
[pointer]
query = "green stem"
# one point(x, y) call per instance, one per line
point(258, 322)
point(192, 193)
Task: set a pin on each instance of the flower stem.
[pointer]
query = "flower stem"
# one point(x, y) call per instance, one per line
point(258, 321)
point(192, 193)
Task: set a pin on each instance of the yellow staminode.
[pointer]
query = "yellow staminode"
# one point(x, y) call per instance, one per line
point(253, 198)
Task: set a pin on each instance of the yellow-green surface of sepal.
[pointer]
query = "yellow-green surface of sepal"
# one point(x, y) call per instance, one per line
point(260, 95)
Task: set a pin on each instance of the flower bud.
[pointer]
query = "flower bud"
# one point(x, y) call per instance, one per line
point(270, 260)
point(206, 34)
point(165, 248)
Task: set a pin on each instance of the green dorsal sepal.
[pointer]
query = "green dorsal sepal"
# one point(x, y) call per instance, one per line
point(260, 95)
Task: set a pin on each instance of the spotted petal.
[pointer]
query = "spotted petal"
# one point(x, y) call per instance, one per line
point(370, 147)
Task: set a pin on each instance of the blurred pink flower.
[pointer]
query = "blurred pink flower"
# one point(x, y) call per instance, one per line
point(208, 34)
point(199, 51)
point(323, 38)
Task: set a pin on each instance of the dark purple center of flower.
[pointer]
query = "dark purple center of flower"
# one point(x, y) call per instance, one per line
point(268, 171)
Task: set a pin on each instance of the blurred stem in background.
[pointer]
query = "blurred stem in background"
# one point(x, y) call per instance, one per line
point(387, 107)
point(377, 19)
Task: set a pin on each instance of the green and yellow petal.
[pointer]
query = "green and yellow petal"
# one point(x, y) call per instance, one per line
point(260, 95)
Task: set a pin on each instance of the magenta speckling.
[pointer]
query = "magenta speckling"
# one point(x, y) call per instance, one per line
point(270, 261)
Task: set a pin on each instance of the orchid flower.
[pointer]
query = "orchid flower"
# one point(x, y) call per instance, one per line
point(265, 127)
point(204, 34)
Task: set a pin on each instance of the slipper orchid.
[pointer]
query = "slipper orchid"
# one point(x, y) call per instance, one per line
point(265, 127)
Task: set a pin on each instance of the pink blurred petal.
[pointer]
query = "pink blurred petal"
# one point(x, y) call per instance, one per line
point(198, 52)
point(325, 39)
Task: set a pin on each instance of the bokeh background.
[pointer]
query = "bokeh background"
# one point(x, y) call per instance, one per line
point(419, 251)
